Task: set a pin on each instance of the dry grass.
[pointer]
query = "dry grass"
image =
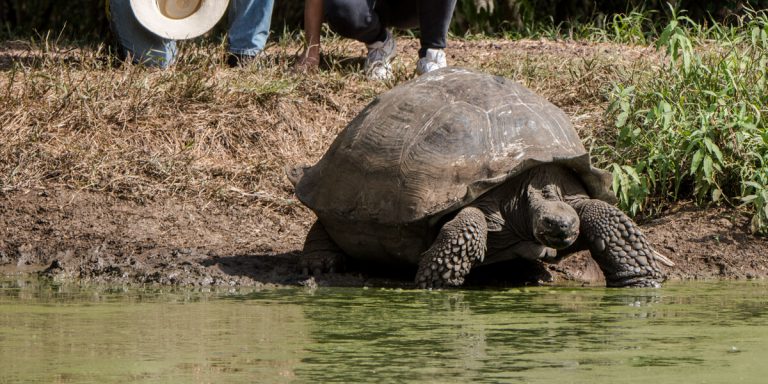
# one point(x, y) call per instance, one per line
point(201, 130)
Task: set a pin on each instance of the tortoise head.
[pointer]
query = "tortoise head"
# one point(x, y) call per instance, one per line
point(555, 224)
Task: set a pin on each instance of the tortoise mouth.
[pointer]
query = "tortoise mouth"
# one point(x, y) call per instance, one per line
point(559, 241)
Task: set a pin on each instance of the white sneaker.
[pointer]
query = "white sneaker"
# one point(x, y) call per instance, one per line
point(434, 59)
point(377, 63)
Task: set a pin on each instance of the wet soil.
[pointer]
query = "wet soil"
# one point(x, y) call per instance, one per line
point(86, 236)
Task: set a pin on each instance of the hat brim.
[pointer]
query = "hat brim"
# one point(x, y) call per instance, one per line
point(196, 24)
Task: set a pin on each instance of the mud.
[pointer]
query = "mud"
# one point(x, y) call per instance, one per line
point(69, 235)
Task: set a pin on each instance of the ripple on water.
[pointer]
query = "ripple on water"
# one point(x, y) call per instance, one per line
point(713, 332)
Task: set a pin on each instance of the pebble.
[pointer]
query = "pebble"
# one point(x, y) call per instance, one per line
point(725, 223)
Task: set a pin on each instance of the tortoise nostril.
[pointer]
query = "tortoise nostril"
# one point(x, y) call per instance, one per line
point(559, 227)
point(566, 226)
point(553, 223)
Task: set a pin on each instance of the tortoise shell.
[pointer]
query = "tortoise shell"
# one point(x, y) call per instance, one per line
point(434, 144)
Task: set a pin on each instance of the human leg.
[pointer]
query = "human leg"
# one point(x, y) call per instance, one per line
point(249, 22)
point(432, 17)
point(136, 42)
point(357, 19)
point(434, 20)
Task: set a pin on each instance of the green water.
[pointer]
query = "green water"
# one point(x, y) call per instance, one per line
point(691, 333)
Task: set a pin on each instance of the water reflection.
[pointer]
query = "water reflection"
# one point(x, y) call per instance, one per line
point(538, 335)
point(63, 333)
point(686, 333)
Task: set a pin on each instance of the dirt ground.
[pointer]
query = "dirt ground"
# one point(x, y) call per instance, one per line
point(83, 234)
point(70, 235)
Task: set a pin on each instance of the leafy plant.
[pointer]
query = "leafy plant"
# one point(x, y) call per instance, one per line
point(695, 128)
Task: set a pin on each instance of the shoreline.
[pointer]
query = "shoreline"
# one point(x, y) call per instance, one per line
point(75, 236)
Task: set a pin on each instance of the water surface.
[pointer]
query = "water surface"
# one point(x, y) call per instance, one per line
point(684, 333)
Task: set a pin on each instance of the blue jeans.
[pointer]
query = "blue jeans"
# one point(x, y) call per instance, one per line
point(249, 22)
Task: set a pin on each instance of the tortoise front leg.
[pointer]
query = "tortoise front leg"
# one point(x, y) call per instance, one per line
point(618, 246)
point(320, 253)
point(459, 246)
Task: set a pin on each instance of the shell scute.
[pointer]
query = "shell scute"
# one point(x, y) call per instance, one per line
point(434, 144)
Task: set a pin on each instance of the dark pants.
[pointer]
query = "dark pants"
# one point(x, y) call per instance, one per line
point(366, 20)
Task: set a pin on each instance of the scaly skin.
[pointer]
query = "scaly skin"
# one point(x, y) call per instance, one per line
point(321, 254)
point(459, 246)
point(543, 211)
point(617, 245)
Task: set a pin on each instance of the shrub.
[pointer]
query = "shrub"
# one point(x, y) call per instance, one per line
point(694, 129)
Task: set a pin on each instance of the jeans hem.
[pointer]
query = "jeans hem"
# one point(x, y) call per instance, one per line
point(245, 51)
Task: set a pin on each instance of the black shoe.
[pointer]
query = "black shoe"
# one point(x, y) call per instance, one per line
point(240, 60)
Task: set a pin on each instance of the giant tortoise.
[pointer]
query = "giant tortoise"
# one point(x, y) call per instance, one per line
point(458, 168)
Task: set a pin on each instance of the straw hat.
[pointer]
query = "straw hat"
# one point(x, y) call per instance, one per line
point(178, 19)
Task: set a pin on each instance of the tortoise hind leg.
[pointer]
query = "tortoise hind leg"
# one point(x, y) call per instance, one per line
point(320, 252)
point(459, 246)
point(618, 246)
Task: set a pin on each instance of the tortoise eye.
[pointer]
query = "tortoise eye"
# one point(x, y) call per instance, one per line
point(551, 192)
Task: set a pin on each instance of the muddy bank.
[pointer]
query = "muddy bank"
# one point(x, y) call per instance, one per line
point(86, 236)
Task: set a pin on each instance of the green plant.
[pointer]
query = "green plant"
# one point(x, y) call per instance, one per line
point(694, 129)
point(634, 27)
